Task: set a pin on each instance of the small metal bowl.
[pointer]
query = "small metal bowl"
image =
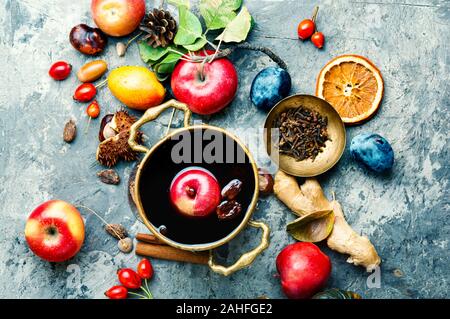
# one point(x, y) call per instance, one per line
point(330, 154)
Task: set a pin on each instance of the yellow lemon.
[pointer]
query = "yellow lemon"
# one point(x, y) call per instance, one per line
point(136, 86)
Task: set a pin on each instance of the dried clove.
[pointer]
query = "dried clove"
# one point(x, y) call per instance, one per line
point(116, 230)
point(303, 133)
point(70, 131)
point(109, 176)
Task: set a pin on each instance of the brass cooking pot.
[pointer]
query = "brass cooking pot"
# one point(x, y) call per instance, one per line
point(151, 182)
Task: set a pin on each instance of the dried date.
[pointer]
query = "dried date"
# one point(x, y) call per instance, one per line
point(228, 209)
point(265, 182)
point(232, 189)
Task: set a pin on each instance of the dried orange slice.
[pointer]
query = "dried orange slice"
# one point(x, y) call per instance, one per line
point(353, 86)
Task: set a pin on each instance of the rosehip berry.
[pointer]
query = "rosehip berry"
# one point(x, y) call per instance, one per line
point(60, 70)
point(145, 269)
point(117, 292)
point(318, 39)
point(85, 92)
point(129, 278)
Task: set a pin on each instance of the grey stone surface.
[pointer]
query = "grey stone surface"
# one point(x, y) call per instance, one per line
point(404, 213)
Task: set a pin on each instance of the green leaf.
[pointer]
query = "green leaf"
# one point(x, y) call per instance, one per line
point(313, 227)
point(235, 4)
point(179, 3)
point(149, 53)
point(238, 29)
point(189, 27)
point(197, 45)
point(167, 64)
point(218, 13)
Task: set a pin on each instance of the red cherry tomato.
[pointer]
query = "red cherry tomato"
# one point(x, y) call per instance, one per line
point(117, 292)
point(93, 110)
point(85, 92)
point(318, 39)
point(305, 29)
point(129, 278)
point(60, 70)
point(145, 269)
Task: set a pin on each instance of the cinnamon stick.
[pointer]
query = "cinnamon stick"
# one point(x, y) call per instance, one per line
point(147, 238)
point(171, 253)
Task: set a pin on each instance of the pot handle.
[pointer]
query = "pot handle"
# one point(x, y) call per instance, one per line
point(151, 114)
point(247, 258)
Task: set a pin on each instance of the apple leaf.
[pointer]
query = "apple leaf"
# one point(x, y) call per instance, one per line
point(197, 45)
point(218, 13)
point(149, 53)
point(179, 3)
point(238, 29)
point(189, 27)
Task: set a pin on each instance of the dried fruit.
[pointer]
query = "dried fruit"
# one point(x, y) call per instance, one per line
point(353, 86)
point(92, 71)
point(116, 230)
point(125, 245)
point(232, 189)
point(228, 209)
point(109, 176)
point(70, 131)
point(265, 182)
point(87, 40)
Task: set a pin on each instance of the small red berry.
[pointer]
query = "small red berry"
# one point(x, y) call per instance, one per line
point(85, 92)
point(305, 29)
point(145, 269)
point(93, 110)
point(129, 278)
point(60, 70)
point(117, 292)
point(318, 39)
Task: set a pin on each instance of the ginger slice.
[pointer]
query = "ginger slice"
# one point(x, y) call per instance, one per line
point(308, 198)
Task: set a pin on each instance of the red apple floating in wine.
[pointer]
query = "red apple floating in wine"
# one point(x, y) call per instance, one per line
point(304, 269)
point(118, 18)
point(195, 192)
point(55, 231)
point(207, 91)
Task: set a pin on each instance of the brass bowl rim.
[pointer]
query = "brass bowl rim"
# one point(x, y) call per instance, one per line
point(326, 169)
point(232, 234)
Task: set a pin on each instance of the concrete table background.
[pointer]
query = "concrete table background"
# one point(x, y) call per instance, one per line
point(404, 213)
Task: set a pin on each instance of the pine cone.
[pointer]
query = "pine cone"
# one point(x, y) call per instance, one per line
point(160, 27)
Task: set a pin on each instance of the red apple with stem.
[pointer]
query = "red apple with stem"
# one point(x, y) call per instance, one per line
point(205, 87)
point(304, 270)
point(118, 18)
point(55, 231)
point(195, 192)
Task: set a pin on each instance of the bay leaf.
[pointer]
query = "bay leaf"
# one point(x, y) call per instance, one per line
point(313, 227)
point(238, 29)
point(189, 27)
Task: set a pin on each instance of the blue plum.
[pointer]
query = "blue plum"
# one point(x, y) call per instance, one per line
point(270, 85)
point(373, 150)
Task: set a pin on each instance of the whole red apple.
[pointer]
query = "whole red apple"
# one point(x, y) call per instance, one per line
point(304, 269)
point(118, 18)
point(195, 192)
point(207, 91)
point(55, 231)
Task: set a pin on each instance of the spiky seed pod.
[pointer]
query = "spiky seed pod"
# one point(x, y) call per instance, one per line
point(160, 28)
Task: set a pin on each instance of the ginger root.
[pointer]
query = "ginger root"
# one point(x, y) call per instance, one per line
point(308, 198)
